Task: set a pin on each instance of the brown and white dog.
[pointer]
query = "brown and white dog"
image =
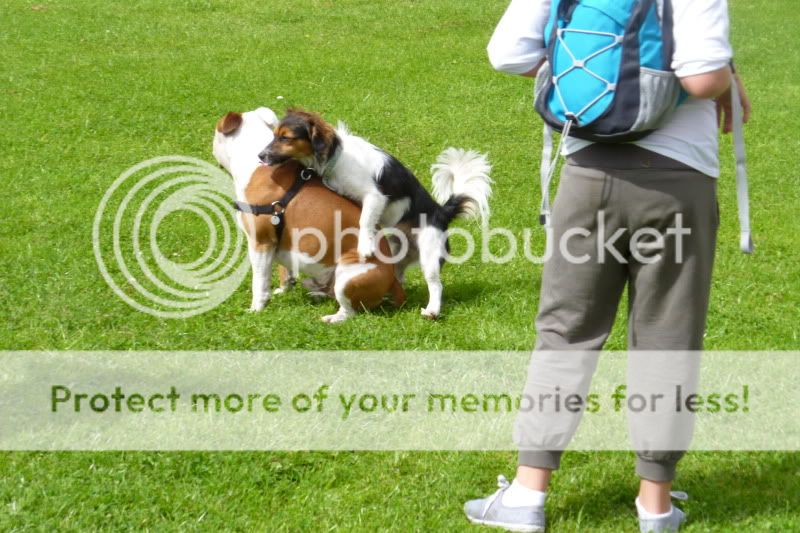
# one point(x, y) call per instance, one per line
point(309, 222)
point(389, 193)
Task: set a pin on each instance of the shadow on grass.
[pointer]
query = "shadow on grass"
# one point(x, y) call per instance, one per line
point(725, 488)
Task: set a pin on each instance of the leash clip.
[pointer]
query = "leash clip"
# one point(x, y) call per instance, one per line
point(306, 174)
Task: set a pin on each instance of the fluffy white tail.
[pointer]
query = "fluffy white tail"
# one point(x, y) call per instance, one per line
point(459, 172)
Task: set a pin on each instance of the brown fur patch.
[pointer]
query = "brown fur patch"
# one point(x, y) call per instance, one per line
point(291, 143)
point(229, 123)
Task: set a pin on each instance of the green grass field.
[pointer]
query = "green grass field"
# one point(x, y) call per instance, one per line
point(90, 88)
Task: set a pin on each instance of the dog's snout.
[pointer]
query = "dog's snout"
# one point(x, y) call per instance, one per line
point(264, 154)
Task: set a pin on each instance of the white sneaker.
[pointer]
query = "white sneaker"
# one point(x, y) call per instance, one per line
point(490, 511)
point(667, 522)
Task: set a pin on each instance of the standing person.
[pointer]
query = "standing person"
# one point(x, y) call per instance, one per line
point(645, 183)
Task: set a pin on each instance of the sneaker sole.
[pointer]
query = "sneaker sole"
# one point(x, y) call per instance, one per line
point(523, 528)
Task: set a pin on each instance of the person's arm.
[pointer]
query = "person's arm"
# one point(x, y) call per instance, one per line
point(703, 55)
point(724, 110)
point(708, 84)
point(702, 50)
point(517, 45)
point(717, 85)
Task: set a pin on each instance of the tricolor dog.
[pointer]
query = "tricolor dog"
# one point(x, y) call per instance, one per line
point(389, 194)
point(280, 205)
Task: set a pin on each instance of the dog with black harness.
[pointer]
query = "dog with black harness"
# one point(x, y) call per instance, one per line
point(290, 217)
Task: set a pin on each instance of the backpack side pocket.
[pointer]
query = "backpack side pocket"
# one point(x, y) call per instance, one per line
point(659, 92)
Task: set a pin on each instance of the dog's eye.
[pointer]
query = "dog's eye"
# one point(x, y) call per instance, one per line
point(283, 138)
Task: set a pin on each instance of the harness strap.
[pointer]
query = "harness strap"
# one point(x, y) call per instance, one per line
point(742, 195)
point(277, 208)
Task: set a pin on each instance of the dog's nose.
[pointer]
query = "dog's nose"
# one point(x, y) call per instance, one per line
point(264, 155)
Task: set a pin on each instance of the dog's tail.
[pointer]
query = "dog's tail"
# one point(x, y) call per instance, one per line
point(461, 183)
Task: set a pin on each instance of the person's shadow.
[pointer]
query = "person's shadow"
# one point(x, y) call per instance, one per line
point(745, 491)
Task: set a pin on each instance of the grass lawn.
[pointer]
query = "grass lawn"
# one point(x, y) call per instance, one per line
point(89, 88)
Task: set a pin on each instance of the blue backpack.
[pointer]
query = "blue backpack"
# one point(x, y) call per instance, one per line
point(608, 69)
point(608, 78)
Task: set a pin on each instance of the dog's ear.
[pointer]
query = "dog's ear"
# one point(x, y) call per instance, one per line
point(229, 123)
point(322, 137)
point(268, 116)
point(318, 143)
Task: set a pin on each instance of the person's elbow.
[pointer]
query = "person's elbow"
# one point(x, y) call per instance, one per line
point(514, 61)
point(709, 84)
point(500, 58)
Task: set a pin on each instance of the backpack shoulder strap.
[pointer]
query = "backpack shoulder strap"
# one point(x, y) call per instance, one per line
point(667, 37)
point(548, 167)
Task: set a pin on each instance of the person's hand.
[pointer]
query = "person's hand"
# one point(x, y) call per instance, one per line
point(724, 110)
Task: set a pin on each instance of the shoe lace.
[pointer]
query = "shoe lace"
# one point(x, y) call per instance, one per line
point(502, 482)
point(502, 485)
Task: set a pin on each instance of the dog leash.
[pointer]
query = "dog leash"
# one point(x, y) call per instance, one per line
point(277, 209)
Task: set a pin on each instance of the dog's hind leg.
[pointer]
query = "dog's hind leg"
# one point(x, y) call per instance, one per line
point(261, 264)
point(344, 312)
point(345, 275)
point(432, 247)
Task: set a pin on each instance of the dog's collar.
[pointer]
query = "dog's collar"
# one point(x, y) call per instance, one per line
point(329, 165)
point(278, 208)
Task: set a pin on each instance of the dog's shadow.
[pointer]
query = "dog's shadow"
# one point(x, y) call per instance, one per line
point(416, 293)
point(726, 490)
point(456, 293)
point(469, 291)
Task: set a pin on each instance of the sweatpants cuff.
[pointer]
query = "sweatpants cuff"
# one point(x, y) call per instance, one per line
point(655, 471)
point(550, 460)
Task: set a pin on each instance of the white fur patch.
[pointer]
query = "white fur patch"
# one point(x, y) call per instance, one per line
point(463, 172)
point(358, 166)
point(238, 151)
point(394, 212)
point(346, 272)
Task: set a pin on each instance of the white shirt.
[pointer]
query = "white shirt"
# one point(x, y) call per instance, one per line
point(701, 45)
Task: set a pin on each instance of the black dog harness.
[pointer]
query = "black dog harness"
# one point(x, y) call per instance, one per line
point(278, 208)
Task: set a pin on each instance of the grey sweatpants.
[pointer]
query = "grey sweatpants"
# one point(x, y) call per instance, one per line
point(667, 299)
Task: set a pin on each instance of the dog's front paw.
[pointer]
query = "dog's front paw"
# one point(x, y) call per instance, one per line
point(430, 315)
point(279, 290)
point(258, 305)
point(335, 318)
point(365, 247)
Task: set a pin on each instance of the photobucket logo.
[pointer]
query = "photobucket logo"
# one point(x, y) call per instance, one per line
point(125, 237)
point(604, 242)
